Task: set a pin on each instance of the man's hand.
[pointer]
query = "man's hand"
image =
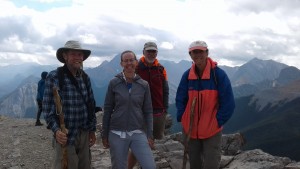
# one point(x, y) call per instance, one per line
point(61, 137)
point(92, 138)
point(105, 142)
point(151, 143)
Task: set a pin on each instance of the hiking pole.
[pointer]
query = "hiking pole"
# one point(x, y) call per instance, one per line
point(64, 161)
point(187, 139)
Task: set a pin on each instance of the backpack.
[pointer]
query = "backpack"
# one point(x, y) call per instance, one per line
point(60, 74)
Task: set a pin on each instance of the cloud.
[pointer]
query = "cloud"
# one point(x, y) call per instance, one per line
point(249, 6)
point(235, 31)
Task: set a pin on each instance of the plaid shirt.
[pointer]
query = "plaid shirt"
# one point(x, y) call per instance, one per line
point(74, 107)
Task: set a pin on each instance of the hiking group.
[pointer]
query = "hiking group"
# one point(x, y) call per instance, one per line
point(135, 108)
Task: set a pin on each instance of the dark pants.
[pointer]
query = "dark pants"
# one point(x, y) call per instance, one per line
point(40, 108)
point(159, 123)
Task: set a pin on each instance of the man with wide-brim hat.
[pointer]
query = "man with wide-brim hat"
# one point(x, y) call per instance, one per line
point(78, 106)
point(71, 45)
point(73, 55)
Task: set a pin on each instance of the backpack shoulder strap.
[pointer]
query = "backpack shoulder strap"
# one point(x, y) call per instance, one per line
point(161, 70)
point(91, 103)
point(60, 76)
point(213, 70)
point(85, 79)
point(215, 75)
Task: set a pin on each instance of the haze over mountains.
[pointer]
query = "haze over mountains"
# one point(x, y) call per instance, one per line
point(267, 95)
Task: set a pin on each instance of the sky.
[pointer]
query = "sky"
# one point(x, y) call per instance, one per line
point(235, 31)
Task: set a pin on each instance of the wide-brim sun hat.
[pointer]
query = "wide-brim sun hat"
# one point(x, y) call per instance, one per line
point(201, 45)
point(72, 45)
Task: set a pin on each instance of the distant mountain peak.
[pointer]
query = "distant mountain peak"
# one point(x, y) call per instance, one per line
point(257, 70)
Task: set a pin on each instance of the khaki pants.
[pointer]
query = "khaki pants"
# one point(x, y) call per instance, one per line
point(205, 153)
point(78, 154)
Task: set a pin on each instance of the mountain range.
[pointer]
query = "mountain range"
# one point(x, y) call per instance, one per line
point(267, 95)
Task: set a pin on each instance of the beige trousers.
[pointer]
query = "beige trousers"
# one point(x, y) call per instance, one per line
point(79, 156)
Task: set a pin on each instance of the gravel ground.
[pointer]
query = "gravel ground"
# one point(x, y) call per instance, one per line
point(26, 146)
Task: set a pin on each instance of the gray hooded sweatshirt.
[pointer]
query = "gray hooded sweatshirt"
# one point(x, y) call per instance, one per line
point(126, 110)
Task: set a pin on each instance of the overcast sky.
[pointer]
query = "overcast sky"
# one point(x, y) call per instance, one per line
point(236, 31)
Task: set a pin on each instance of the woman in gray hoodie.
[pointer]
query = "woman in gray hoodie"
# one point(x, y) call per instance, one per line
point(128, 121)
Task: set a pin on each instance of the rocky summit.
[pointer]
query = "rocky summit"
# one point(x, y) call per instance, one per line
point(26, 146)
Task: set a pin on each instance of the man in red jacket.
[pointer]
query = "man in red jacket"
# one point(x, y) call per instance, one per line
point(155, 74)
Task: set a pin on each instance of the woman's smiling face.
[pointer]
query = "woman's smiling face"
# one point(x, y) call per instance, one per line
point(128, 62)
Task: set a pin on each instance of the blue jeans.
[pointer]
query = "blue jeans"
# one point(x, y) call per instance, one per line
point(138, 143)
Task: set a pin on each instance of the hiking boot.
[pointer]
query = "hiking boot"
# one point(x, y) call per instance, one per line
point(38, 123)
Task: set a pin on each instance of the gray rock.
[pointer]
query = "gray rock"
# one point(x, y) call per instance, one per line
point(293, 166)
